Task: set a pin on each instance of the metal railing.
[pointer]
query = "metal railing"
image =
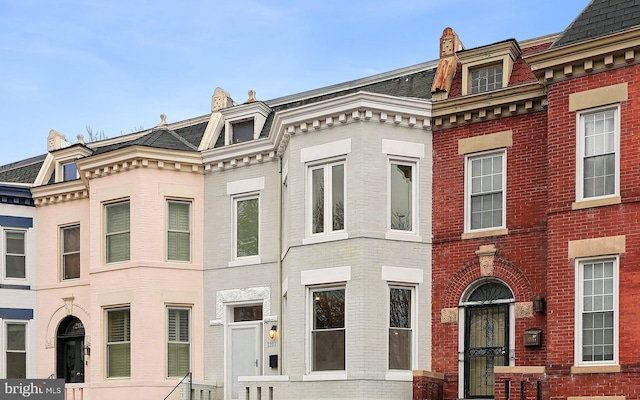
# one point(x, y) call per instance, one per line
point(188, 375)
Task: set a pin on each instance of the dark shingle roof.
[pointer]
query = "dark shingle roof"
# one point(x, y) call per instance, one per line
point(600, 18)
point(24, 171)
point(186, 139)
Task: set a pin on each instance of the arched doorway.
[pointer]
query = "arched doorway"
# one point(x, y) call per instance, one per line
point(487, 336)
point(70, 350)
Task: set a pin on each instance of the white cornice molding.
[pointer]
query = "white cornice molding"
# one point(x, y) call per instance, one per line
point(355, 107)
point(606, 52)
point(59, 192)
point(513, 100)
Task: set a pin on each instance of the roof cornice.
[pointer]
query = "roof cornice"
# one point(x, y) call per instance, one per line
point(513, 100)
point(355, 107)
point(584, 57)
point(59, 192)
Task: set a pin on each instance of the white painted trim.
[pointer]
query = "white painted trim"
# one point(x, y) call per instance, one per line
point(326, 238)
point(402, 148)
point(264, 378)
point(326, 150)
point(401, 274)
point(245, 186)
point(467, 190)
point(325, 275)
point(399, 376)
point(407, 237)
point(285, 286)
point(249, 260)
point(285, 171)
point(321, 376)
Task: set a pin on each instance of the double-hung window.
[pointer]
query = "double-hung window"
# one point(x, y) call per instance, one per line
point(326, 198)
point(485, 191)
point(599, 155)
point(118, 343)
point(402, 196)
point(70, 252)
point(246, 226)
point(327, 329)
point(15, 254)
point(178, 341)
point(597, 306)
point(117, 232)
point(400, 327)
point(178, 230)
point(16, 350)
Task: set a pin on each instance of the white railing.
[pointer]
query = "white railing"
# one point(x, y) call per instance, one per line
point(76, 391)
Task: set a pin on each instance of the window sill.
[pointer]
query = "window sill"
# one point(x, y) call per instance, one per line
point(399, 376)
point(325, 238)
point(251, 260)
point(322, 376)
point(579, 205)
point(595, 369)
point(406, 237)
point(481, 234)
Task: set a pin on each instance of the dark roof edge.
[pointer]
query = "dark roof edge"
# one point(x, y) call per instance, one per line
point(22, 163)
point(561, 35)
point(353, 84)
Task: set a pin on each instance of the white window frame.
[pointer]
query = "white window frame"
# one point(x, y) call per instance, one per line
point(107, 234)
point(63, 253)
point(329, 233)
point(5, 344)
point(324, 374)
point(63, 168)
point(580, 156)
point(469, 158)
point(107, 343)
point(253, 258)
point(413, 163)
point(579, 274)
point(5, 254)
point(412, 327)
point(189, 203)
point(189, 340)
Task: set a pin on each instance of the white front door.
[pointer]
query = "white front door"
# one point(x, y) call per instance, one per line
point(245, 345)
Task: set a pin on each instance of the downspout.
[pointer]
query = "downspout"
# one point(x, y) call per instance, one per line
point(279, 253)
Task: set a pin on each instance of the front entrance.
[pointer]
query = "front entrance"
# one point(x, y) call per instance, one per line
point(486, 337)
point(70, 350)
point(245, 345)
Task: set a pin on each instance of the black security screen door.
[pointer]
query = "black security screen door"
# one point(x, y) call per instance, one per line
point(486, 346)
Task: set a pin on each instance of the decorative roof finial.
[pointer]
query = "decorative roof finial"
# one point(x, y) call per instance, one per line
point(81, 138)
point(163, 120)
point(252, 97)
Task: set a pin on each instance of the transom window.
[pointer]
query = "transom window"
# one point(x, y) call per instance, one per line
point(327, 196)
point(598, 307)
point(328, 329)
point(486, 78)
point(178, 230)
point(598, 149)
point(485, 191)
point(70, 252)
point(117, 232)
point(15, 254)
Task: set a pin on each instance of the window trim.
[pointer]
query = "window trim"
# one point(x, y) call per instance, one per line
point(323, 374)
point(190, 340)
point(189, 231)
point(580, 114)
point(468, 158)
point(107, 343)
point(4, 276)
point(5, 344)
point(63, 171)
point(253, 258)
point(329, 233)
point(579, 275)
point(106, 234)
point(415, 198)
point(63, 254)
point(413, 312)
point(487, 67)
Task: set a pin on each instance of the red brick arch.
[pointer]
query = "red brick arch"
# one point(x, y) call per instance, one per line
point(503, 269)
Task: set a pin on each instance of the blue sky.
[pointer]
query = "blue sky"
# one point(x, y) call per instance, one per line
point(116, 65)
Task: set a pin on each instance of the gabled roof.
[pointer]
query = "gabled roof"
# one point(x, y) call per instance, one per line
point(601, 18)
point(24, 171)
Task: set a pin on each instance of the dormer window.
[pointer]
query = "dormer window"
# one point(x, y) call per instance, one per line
point(242, 131)
point(487, 68)
point(485, 79)
point(69, 171)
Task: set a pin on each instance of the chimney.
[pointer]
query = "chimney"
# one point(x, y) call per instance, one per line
point(449, 44)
